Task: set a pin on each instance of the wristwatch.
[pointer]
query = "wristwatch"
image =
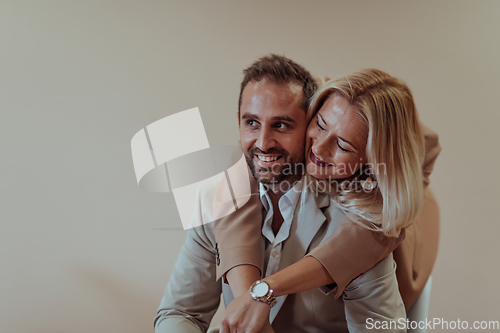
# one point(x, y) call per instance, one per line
point(262, 292)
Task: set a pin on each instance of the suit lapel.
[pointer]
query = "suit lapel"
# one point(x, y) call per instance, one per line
point(307, 220)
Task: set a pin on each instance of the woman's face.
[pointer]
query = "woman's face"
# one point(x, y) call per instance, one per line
point(336, 140)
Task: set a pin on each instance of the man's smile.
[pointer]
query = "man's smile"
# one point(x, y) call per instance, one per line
point(267, 161)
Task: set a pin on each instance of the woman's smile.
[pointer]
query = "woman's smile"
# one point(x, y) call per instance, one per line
point(316, 160)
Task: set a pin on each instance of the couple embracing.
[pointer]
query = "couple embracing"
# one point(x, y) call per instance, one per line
point(350, 239)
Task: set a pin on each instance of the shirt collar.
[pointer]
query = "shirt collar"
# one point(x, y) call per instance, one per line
point(292, 196)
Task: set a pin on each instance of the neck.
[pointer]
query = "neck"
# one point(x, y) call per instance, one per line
point(276, 191)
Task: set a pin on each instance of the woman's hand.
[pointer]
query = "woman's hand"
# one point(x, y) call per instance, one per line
point(246, 315)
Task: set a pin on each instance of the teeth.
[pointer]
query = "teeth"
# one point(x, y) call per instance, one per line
point(267, 158)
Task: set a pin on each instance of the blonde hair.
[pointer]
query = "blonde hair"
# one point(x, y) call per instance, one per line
point(395, 141)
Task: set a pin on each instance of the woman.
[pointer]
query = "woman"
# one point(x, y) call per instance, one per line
point(364, 142)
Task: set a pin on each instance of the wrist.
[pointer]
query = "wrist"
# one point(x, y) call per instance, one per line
point(241, 278)
point(261, 291)
point(274, 283)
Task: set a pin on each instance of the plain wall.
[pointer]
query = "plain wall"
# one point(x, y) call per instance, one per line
point(84, 249)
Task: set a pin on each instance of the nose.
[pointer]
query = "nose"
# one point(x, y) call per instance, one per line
point(265, 140)
point(322, 148)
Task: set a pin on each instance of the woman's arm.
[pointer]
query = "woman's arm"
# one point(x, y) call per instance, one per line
point(415, 261)
point(241, 278)
point(343, 256)
point(306, 274)
point(364, 295)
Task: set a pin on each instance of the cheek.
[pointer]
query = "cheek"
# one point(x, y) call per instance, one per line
point(245, 140)
point(311, 132)
point(295, 146)
point(350, 164)
point(311, 136)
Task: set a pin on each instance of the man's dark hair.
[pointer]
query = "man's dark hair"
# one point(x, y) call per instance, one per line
point(280, 70)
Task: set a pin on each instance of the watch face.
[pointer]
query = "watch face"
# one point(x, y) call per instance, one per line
point(260, 289)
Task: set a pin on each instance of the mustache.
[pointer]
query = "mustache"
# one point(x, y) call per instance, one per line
point(272, 151)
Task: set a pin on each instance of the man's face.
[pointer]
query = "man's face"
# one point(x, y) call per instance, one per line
point(272, 131)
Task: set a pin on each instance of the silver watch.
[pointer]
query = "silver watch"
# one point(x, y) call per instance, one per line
point(262, 292)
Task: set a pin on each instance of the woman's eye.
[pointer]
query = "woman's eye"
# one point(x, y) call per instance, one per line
point(321, 127)
point(342, 148)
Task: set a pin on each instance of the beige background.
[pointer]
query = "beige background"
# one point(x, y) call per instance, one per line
point(82, 247)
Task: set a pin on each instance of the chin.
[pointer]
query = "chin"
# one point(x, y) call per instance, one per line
point(317, 172)
point(320, 176)
point(265, 178)
point(312, 169)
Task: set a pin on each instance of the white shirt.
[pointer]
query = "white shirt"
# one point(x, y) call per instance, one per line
point(274, 244)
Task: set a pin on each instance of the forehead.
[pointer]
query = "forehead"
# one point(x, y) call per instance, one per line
point(343, 119)
point(264, 98)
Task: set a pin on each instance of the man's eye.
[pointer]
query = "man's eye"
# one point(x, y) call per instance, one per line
point(251, 123)
point(281, 125)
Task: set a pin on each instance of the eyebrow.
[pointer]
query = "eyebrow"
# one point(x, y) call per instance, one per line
point(284, 118)
point(341, 138)
point(249, 116)
point(277, 118)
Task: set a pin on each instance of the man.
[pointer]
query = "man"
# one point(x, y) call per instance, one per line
point(272, 121)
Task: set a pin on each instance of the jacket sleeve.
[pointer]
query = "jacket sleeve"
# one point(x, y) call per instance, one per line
point(238, 234)
point(192, 295)
point(372, 301)
point(350, 251)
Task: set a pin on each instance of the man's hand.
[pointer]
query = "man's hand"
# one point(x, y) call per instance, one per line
point(246, 315)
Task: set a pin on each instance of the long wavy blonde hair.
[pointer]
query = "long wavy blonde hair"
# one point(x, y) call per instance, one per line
point(395, 141)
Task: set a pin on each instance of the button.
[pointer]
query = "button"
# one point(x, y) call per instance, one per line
point(217, 256)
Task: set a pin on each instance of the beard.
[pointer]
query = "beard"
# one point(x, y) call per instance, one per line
point(291, 170)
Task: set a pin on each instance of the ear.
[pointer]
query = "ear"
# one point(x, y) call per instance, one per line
point(238, 116)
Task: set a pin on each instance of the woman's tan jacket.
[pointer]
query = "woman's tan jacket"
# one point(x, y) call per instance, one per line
point(351, 250)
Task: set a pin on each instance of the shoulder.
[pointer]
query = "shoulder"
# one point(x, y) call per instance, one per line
point(204, 202)
point(432, 150)
point(196, 209)
point(334, 213)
